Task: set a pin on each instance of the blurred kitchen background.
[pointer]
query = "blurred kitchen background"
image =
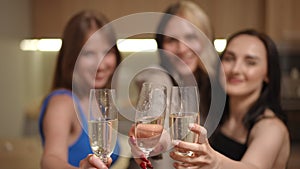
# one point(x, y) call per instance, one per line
point(26, 75)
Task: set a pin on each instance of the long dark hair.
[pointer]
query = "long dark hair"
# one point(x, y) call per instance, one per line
point(270, 93)
point(74, 37)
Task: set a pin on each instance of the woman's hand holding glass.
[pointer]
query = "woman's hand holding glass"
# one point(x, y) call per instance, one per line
point(204, 156)
point(184, 110)
point(191, 147)
point(92, 161)
point(150, 116)
point(138, 154)
point(103, 122)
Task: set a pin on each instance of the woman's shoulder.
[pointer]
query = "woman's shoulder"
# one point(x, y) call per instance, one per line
point(269, 139)
point(270, 125)
point(60, 100)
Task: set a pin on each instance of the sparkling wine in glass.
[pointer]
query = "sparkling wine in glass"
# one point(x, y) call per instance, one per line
point(102, 122)
point(150, 115)
point(184, 109)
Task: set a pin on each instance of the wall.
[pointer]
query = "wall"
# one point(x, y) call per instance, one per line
point(50, 16)
point(276, 17)
point(282, 20)
point(15, 25)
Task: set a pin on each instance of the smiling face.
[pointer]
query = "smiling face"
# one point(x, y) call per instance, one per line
point(96, 63)
point(245, 65)
point(179, 42)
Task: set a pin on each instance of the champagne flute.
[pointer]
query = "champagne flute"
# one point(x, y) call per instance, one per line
point(149, 116)
point(184, 109)
point(102, 122)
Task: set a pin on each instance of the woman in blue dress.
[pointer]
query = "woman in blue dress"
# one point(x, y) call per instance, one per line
point(62, 120)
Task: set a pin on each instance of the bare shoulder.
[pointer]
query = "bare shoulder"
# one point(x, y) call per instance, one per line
point(270, 126)
point(63, 100)
point(58, 125)
point(60, 105)
point(269, 140)
point(270, 122)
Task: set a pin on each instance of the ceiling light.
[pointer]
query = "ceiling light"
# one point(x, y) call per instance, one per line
point(220, 44)
point(40, 44)
point(136, 45)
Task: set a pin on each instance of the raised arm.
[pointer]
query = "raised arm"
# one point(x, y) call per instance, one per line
point(268, 149)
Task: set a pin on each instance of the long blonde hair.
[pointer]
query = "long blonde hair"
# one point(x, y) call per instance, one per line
point(196, 15)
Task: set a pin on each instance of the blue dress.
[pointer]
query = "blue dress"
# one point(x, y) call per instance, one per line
point(81, 148)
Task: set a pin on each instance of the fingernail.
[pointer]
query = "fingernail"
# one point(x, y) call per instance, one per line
point(161, 148)
point(145, 159)
point(132, 140)
point(175, 142)
point(203, 131)
point(92, 157)
point(191, 125)
point(149, 165)
point(143, 165)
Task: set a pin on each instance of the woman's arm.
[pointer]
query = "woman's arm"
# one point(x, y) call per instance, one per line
point(139, 156)
point(264, 151)
point(269, 144)
point(92, 162)
point(57, 125)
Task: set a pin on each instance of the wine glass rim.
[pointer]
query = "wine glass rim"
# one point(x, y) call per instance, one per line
point(191, 86)
point(102, 89)
point(155, 84)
